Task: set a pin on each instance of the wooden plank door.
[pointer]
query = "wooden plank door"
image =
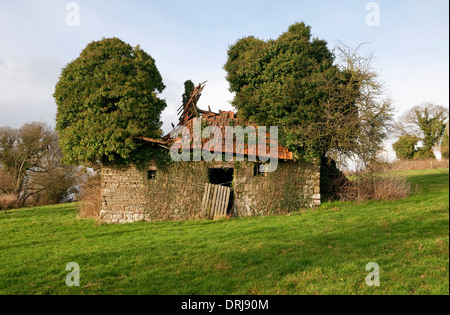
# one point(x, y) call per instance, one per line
point(215, 201)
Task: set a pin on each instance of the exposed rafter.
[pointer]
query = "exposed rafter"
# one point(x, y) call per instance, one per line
point(189, 110)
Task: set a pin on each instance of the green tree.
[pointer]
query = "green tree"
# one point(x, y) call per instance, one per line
point(106, 97)
point(426, 122)
point(321, 106)
point(406, 147)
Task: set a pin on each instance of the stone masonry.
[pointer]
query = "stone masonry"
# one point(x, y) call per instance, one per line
point(176, 192)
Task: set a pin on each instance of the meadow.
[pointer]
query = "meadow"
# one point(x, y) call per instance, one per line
point(319, 251)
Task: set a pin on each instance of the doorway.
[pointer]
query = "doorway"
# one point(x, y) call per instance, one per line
point(218, 200)
point(221, 176)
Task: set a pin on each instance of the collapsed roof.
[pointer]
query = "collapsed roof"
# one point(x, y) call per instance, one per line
point(189, 112)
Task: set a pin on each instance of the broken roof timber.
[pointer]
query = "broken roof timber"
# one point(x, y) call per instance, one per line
point(189, 111)
point(190, 108)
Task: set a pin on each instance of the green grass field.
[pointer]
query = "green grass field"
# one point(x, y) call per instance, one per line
point(321, 251)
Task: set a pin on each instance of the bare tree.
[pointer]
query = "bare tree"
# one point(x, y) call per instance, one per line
point(358, 131)
point(30, 157)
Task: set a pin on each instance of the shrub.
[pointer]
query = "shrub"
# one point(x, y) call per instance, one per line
point(9, 201)
point(391, 188)
point(423, 154)
point(369, 186)
point(90, 198)
point(6, 182)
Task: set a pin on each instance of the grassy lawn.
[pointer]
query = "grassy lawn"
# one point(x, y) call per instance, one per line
point(322, 251)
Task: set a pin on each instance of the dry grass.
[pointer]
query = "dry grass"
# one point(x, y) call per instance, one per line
point(409, 165)
point(90, 198)
point(401, 165)
point(368, 186)
point(9, 201)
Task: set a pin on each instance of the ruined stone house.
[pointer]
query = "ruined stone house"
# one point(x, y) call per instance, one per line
point(200, 189)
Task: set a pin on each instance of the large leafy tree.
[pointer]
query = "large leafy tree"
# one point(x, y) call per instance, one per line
point(426, 122)
point(406, 147)
point(106, 97)
point(321, 106)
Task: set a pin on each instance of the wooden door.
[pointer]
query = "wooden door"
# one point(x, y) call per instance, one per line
point(215, 201)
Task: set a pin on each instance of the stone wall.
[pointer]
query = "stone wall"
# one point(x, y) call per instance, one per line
point(124, 194)
point(175, 194)
point(292, 187)
point(128, 195)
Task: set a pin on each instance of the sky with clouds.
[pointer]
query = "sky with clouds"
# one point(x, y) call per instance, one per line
point(189, 40)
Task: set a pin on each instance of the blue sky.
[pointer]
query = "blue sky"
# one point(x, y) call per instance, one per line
point(189, 40)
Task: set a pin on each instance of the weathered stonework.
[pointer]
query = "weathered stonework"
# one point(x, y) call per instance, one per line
point(291, 187)
point(128, 195)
